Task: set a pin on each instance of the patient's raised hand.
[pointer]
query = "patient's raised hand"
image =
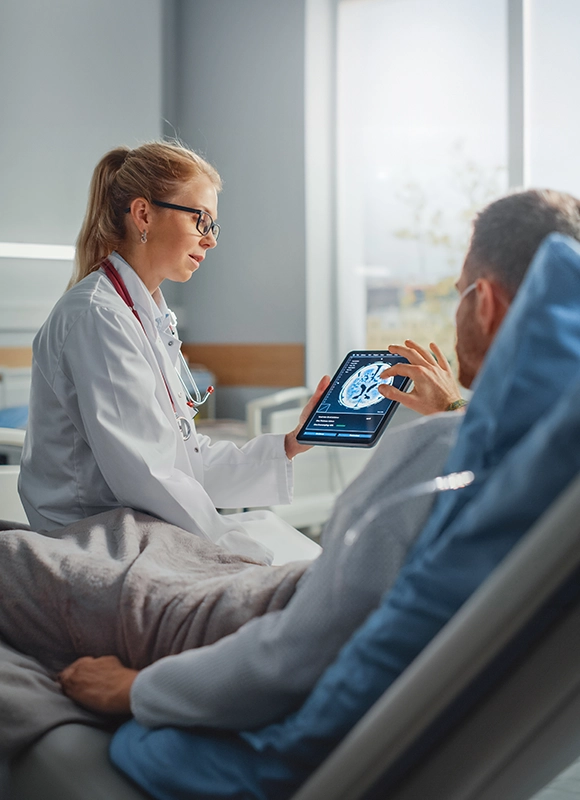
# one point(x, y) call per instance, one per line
point(434, 386)
point(99, 684)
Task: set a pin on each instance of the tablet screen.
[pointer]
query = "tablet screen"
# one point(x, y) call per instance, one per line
point(353, 411)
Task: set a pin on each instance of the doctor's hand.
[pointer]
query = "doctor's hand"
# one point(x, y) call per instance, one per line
point(99, 684)
point(292, 446)
point(435, 388)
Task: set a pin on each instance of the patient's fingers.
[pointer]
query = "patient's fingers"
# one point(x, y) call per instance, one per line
point(404, 398)
point(413, 352)
point(441, 360)
point(100, 684)
point(404, 370)
point(68, 672)
point(434, 386)
point(391, 393)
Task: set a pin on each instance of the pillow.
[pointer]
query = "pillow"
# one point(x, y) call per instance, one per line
point(507, 442)
point(534, 357)
point(273, 761)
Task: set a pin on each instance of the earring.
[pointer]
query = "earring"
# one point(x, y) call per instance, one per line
point(143, 236)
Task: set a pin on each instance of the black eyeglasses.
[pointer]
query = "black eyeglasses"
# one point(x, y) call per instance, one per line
point(204, 223)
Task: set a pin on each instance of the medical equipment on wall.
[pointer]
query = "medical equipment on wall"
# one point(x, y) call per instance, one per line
point(193, 401)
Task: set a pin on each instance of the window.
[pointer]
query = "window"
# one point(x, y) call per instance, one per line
point(438, 108)
point(552, 114)
point(422, 107)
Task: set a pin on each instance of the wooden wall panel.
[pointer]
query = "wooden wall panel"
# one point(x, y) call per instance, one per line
point(232, 364)
point(251, 364)
point(15, 356)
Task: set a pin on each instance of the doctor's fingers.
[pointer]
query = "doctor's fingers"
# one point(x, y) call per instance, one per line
point(322, 386)
point(318, 392)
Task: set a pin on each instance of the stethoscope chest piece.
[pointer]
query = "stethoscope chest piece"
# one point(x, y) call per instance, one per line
point(184, 426)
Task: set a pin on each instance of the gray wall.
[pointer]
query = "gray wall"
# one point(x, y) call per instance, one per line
point(239, 100)
point(76, 78)
point(241, 104)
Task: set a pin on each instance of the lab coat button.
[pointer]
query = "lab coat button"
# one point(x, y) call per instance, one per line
point(196, 449)
point(170, 343)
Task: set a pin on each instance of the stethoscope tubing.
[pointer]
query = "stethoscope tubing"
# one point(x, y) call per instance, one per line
point(192, 401)
point(198, 400)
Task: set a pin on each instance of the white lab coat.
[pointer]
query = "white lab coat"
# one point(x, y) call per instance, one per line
point(102, 432)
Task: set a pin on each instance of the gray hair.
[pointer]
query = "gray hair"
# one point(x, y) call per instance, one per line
point(507, 233)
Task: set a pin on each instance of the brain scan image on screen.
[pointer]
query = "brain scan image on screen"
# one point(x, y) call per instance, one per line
point(362, 388)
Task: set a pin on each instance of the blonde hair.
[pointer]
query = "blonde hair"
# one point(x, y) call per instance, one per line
point(153, 171)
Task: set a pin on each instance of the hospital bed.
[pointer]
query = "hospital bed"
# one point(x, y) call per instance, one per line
point(490, 709)
point(320, 475)
point(11, 441)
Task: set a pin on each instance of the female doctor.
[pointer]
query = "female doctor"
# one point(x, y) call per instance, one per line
point(111, 410)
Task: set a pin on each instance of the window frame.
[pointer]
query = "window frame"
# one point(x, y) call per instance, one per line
point(326, 333)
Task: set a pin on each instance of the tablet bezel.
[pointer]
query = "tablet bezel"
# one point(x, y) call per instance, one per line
point(386, 418)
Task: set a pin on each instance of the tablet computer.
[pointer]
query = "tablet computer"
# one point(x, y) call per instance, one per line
point(352, 412)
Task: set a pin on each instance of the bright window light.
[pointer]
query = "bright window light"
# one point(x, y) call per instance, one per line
point(419, 150)
point(48, 252)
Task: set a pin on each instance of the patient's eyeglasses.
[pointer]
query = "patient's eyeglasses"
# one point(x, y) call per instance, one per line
point(204, 223)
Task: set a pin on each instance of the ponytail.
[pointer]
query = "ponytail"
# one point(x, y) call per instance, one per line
point(102, 228)
point(152, 171)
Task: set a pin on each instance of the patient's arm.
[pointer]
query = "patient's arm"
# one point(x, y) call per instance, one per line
point(268, 666)
point(100, 684)
point(435, 387)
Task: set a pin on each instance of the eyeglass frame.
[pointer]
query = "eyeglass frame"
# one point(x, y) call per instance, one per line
point(213, 227)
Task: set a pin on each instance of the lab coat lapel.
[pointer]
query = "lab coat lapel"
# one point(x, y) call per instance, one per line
point(151, 317)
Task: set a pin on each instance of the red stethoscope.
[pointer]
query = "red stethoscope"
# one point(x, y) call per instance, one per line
point(183, 423)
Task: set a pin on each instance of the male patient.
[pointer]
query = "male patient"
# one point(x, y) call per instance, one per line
point(268, 666)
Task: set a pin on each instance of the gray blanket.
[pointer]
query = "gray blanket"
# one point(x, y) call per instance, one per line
point(119, 583)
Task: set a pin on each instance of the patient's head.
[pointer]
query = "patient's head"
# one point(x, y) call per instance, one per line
point(505, 237)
